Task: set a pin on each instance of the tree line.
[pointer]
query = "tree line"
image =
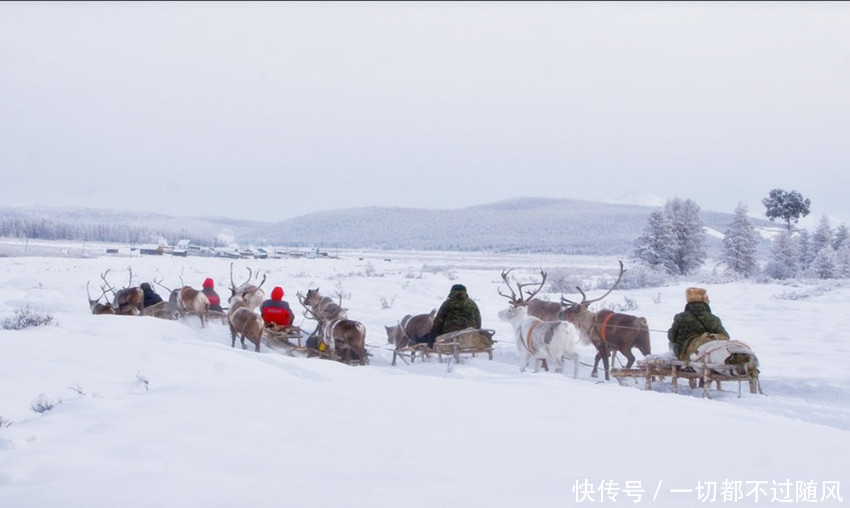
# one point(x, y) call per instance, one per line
point(673, 241)
point(45, 229)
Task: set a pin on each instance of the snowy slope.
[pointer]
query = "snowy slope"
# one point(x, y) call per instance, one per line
point(158, 413)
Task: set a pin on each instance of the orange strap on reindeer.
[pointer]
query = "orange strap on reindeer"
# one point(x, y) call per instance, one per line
point(528, 340)
point(604, 327)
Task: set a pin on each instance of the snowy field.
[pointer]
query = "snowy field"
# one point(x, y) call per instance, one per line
point(155, 413)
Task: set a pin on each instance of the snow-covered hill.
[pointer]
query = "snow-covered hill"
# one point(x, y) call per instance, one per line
point(566, 226)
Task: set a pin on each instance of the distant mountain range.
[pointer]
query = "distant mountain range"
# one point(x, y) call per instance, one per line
point(566, 226)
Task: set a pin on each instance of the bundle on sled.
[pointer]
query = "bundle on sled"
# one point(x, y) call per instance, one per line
point(470, 341)
point(707, 358)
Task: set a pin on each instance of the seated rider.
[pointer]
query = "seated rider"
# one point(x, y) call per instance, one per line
point(695, 321)
point(457, 312)
point(151, 298)
point(212, 296)
point(276, 311)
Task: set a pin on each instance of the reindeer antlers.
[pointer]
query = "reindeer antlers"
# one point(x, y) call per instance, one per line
point(585, 302)
point(250, 276)
point(312, 315)
point(518, 301)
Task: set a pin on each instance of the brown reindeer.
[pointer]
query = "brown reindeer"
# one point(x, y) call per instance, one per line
point(187, 300)
point(341, 336)
point(251, 295)
point(128, 301)
point(95, 305)
point(192, 301)
point(244, 322)
point(543, 310)
point(607, 330)
point(321, 308)
point(409, 330)
point(345, 339)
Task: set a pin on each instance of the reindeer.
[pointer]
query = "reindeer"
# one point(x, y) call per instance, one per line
point(244, 322)
point(187, 300)
point(95, 305)
point(323, 308)
point(128, 301)
point(345, 339)
point(409, 330)
point(607, 330)
point(549, 341)
point(251, 295)
point(334, 329)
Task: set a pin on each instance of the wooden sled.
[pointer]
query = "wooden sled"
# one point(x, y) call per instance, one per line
point(701, 370)
point(290, 339)
point(469, 341)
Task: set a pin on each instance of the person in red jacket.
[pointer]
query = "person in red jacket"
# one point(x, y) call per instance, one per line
point(212, 296)
point(276, 311)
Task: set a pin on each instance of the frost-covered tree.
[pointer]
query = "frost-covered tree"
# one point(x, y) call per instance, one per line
point(788, 206)
point(740, 244)
point(653, 246)
point(842, 255)
point(841, 238)
point(689, 250)
point(674, 238)
point(825, 264)
point(804, 249)
point(822, 236)
point(785, 257)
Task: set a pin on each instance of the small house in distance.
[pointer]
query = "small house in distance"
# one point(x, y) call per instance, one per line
point(151, 250)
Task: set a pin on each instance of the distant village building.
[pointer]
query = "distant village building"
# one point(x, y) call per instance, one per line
point(151, 251)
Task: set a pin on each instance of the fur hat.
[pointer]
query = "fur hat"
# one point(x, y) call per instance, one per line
point(277, 293)
point(458, 287)
point(696, 295)
point(208, 283)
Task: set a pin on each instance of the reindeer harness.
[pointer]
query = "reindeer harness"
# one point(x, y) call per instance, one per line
point(603, 334)
point(529, 341)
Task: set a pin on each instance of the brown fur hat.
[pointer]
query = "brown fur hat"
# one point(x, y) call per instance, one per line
point(696, 295)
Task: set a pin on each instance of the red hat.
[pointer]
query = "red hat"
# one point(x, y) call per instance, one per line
point(208, 283)
point(277, 293)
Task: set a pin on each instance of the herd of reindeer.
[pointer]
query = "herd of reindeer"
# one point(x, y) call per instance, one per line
point(545, 332)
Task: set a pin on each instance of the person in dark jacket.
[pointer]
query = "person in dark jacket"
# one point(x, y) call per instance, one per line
point(696, 320)
point(151, 298)
point(209, 291)
point(275, 310)
point(456, 313)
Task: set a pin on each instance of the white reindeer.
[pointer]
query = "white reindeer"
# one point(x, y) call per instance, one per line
point(551, 341)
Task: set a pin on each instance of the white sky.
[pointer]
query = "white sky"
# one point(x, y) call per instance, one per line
point(190, 108)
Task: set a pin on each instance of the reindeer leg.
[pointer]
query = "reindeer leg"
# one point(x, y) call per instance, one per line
point(605, 363)
point(523, 362)
point(594, 373)
point(630, 358)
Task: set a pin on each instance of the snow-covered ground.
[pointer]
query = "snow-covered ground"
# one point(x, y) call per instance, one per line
point(155, 413)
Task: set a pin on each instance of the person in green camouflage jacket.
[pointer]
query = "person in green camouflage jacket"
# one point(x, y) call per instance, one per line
point(456, 313)
point(696, 320)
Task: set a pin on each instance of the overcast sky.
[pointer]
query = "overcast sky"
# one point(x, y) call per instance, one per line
point(269, 110)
